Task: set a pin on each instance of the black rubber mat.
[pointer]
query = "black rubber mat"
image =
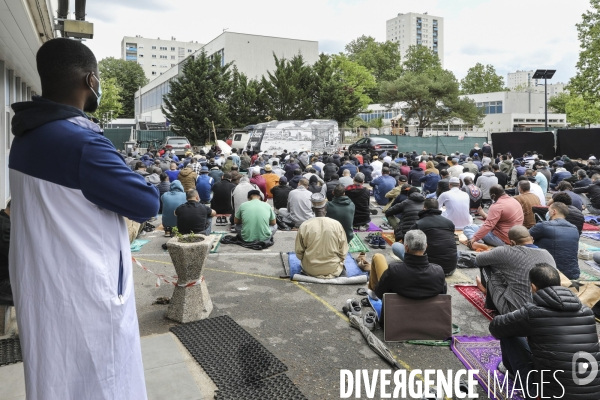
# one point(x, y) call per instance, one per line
point(229, 355)
point(278, 387)
point(10, 351)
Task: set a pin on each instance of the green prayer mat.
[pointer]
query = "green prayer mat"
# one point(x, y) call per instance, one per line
point(356, 245)
point(218, 236)
point(455, 331)
point(137, 244)
point(584, 276)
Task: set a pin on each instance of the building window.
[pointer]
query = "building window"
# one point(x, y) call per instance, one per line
point(163, 57)
point(141, 56)
point(490, 107)
point(153, 72)
point(163, 48)
point(172, 57)
point(172, 65)
point(154, 65)
point(189, 50)
point(153, 47)
point(172, 48)
point(153, 55)
point(141, 46)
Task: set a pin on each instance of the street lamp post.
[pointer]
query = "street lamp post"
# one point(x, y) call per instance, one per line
point(545, 74)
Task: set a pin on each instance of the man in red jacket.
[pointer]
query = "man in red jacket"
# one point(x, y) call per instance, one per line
point(504, 213)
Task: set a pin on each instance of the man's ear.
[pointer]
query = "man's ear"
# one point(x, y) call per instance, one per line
point(533, 288)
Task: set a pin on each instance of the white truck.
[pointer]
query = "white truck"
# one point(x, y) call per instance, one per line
point(309, 135)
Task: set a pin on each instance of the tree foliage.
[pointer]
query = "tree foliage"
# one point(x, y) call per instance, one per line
point(246, 102)
point(111, 101)
point(558, 103)
point(289, 89)
point(199, 97)
point(428, 93)
point(581, 111)
point(356, 76)
point(482, 79)
point(382, 60)
point(420, 59)
point(129, 75)
point(587, 80)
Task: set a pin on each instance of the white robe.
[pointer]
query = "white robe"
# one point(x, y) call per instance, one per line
point(71, 270)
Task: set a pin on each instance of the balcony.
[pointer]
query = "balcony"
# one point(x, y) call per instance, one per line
point(134, 49)
point(130, 58)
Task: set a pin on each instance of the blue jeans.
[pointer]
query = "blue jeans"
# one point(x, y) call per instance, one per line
point(516, 356)
point(490, 238)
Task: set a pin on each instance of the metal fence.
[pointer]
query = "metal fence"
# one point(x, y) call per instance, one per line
point(118, 136)
point(151, 136)
point(435, 144)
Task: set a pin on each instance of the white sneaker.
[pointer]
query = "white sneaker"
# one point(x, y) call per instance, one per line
point(354, 307)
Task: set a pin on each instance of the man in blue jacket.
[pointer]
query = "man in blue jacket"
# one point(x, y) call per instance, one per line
point(204, 186)
point(560, 238)
point(382, 185)
point(70, 260)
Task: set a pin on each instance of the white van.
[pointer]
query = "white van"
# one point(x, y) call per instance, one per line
point(310, 135)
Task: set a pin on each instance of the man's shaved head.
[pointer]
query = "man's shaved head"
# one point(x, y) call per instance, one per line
point(518, 234)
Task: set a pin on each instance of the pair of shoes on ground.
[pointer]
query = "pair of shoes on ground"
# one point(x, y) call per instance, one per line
point(222, 221)
point(362, 262)
point(353, 307)
point(377, 242)
point(361, 228)
point(385, 226)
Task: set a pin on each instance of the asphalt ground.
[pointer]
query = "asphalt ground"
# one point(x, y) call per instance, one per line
point(301, 323)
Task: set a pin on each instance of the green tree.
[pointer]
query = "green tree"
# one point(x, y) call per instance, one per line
point(581, 111)
point(355, 76)
point(382, 59)
point(111, 101)
point(482, 79)
point(430, 97)
point(558, 103)
point(587, 80)
point(198, 97)
point(288, 90)
point(129, 76)
point(420, 59)
point(245, 105)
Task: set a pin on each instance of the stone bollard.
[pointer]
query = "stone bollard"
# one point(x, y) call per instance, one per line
point(189, 303)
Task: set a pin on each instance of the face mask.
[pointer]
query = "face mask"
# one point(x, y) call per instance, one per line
point(99, 93)
point(548, 216)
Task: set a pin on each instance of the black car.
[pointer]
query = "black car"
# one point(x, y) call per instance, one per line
point(374, 146)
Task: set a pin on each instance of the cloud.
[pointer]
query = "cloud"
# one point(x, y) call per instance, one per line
point(509, 34)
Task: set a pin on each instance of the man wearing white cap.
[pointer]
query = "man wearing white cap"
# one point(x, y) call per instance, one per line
point(321, 244)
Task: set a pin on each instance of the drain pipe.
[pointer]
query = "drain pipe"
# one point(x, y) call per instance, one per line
point(79, 10)
point(63, 9)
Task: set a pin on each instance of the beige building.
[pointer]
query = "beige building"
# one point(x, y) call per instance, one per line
point(156, 56)
point(413, 29)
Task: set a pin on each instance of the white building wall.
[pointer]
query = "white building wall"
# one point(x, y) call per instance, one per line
point(20, 39)
point(150, 53)
point(251, 54)
point(403, 30)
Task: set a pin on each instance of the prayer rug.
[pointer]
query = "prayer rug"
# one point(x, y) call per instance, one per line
point(591, 235)
point(137, 244)
point(475, 297)
point(484, 354)
point(590, 227)
point(593, 264)
point(592, 219)
point(357, 245)
point(584, 276)
point(389, 237)
point(457, 278)
point(351, 275)
point(372, 228)
point(218, 236)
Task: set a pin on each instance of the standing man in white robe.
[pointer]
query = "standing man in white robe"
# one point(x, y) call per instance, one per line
point(70, 260)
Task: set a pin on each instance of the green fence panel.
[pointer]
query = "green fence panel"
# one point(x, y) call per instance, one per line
point(118, 136)
point(434, 144)
point(147, 136)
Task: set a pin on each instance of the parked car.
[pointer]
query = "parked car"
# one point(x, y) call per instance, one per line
point(178, 143)
point(374, 146)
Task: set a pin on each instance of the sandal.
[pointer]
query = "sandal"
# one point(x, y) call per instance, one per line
point(361, 291)
point(365, 302)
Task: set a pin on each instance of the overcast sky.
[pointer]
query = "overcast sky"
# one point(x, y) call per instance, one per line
point(509, 34)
